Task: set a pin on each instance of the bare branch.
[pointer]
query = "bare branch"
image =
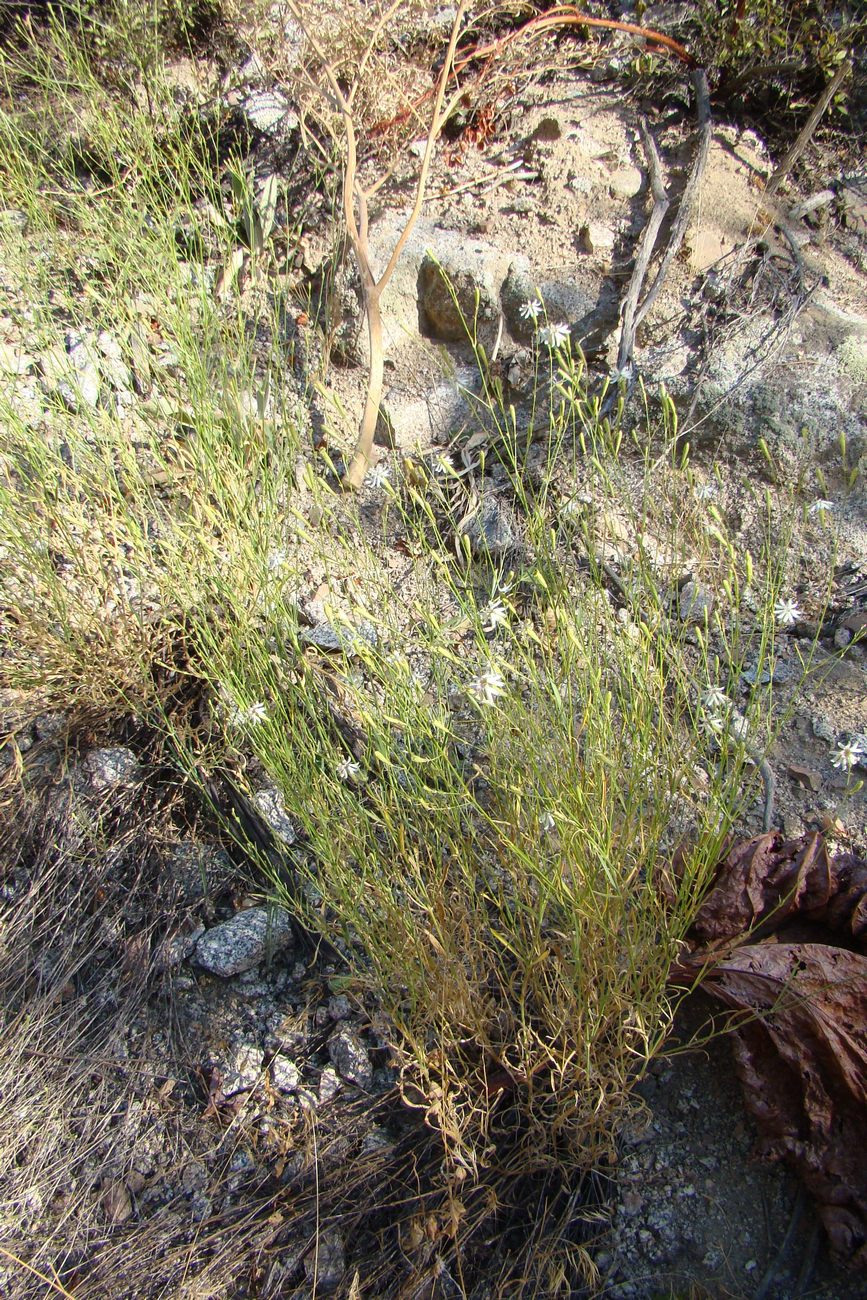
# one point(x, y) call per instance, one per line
point(645, 250)
point(809, 127)
point(436, 124)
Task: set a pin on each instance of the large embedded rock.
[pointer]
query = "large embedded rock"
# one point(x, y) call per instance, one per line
point(244, 940)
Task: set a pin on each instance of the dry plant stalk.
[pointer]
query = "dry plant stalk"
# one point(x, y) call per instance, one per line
point(355, 209)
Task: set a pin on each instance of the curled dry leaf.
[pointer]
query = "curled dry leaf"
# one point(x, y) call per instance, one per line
point(799, 1028)
point(801, 1057)
point(768, 880)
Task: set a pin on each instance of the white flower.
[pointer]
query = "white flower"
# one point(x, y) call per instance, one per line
point(848, 754)
point(347, 770)
point(494, 616)
point(787, 613)
point(488, 686)
point(547, 822)
point(278, 560)
point(819, 506)
point(860, 743)
point(554, 336)
point(255, 714)
point(379, 475)
point(712, 724)
point(706, 491)
point(715, 699)
point(532, 309)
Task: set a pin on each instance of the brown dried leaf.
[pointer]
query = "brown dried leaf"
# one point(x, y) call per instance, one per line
point(802, 1061)
point(765, 881)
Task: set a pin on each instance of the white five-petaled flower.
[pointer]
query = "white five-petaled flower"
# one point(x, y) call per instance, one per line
point(547, 822)
point(554, 336)
point(379, 475)
point(494, 615)
point(706, 491)
point(848, 754)
point(347, 770)
point(787, 613)
point(531, 309)
point(819, 507)
point(488, 686)
point(715, 699)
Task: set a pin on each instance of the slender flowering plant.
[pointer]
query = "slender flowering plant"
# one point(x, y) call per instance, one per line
point(532, 309)
point(379, 476)
point(715, 699)
point(787, 613)
point(819, 507)
point(848, 755)
point(554, 336)
point(495, 615)
point(488, 686)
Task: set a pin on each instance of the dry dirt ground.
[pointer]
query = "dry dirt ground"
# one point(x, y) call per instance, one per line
point(213, 1110)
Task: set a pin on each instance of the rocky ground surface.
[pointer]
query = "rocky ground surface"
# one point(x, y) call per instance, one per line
point(246, 1038)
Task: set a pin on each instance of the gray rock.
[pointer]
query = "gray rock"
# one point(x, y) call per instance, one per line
point(243, 1070)
point(50, 726)
point(111, 768)
point(285, 1074)
point(271, 806)
point(823, 730)
point(326, 1262)
point(84, 362)
point(409, 420)
point(172, 951)
point(334, 638)
point(695, 603)
point(14, 360)
point(349, 1057)
point(13, 219)
point(563, 300)
point(111, 363)
point(459, 293)
point(329, 1085)
point(244, 940)
point(493, 528)
point(199, 870)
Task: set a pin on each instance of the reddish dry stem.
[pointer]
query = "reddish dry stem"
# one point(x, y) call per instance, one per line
point(564, 16)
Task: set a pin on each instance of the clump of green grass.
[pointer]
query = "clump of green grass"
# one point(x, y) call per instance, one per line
point(487, 789)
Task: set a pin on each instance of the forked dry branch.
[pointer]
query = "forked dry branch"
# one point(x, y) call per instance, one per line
point(356, 198)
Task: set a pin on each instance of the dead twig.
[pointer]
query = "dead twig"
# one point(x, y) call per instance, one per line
point(806, 133)
point(646, 245)
point(633, 311)
point(690, 190)
point(562, 16)
point(355, 210)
